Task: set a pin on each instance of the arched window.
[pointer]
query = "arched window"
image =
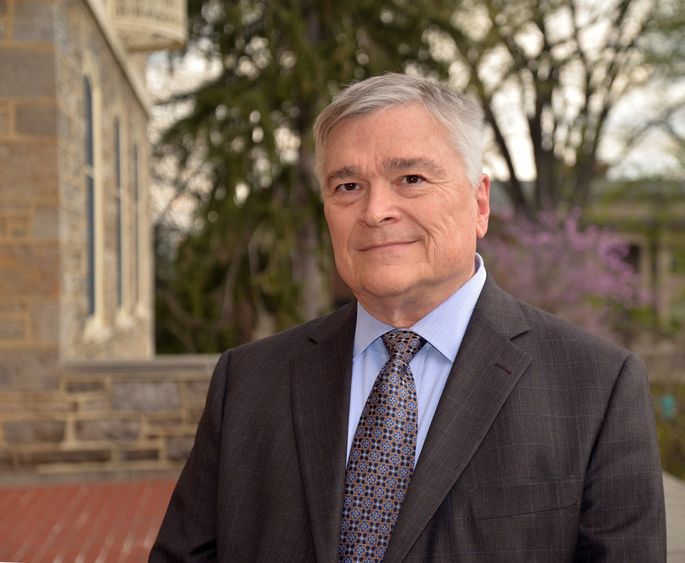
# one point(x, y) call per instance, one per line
point(89, 172)
point(118, 206)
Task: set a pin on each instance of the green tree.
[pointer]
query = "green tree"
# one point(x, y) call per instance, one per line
point(256, 256)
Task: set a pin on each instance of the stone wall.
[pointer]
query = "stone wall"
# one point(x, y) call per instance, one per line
point(29, 200)
point(106, 417)
point(125, 417)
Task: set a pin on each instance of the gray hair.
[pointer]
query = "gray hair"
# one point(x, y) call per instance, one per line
point(461, 115)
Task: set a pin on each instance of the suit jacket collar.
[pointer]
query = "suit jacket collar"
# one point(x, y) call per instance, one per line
point(484, 373)
point(321, 375)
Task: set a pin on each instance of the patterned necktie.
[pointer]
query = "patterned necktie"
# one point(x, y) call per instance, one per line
point(381, 460)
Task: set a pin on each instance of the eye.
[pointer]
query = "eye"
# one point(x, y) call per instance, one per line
point(347, 187)
point(413, 179)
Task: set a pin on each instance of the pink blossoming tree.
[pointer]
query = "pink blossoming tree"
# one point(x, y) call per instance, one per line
point(579, 273)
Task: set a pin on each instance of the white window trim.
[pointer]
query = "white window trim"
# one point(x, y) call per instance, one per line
point(95, 324)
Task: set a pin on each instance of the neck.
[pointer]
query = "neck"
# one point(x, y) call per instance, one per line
point(400, 312)
point(405, 308)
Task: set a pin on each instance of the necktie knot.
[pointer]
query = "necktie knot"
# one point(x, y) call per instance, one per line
point(402, 344)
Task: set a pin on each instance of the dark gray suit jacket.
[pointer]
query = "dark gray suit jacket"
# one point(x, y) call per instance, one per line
point(542, 449)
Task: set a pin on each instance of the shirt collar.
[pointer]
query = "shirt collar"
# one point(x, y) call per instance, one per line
point(438, 327)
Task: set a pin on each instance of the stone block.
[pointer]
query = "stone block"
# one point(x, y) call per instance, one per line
point(93, 405)
point(36, 402)
point(162, 427)
point(27, 73)
point(178, 447)
point(4, 109)
point(45, 223)
point(29, 269)
point(65, 133)
point(61, 456)
point(173, 421)
point(12, 329)
point(13, 306)
point(124, 430)
point(145, 396)
point(28, 369)
point(16, 227)
point(36, 119)
point(32, 431)
point(33, 21)
point(15, 209)
point(196, 391)
point(33, 170)
point(84, 386)
point(5, 459)
point(44, 322)
point(192, 416)
point(139, 455)
point(3, 7)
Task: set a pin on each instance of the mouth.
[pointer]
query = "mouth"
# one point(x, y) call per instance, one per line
point(388, 245)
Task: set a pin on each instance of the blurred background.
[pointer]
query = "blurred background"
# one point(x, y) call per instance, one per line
point(158, 202)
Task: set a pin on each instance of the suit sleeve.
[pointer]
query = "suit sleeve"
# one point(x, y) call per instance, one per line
point(188, 531)
point(622, 513)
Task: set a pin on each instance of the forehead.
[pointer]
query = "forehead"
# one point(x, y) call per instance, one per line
point(406, 131)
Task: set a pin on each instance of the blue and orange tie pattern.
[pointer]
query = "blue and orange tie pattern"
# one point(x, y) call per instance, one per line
point(381, 461)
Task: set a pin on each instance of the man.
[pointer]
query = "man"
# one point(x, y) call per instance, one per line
point(482, 430)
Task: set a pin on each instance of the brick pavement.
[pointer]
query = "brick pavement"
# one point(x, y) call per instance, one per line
point(118, 521)
point(82, 523)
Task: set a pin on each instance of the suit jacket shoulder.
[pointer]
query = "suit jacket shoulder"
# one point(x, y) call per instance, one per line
point(556, 340)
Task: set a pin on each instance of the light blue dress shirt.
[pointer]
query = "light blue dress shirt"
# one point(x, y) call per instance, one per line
point(443, 329)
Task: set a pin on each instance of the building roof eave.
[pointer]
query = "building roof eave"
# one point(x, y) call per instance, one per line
point(120, 54)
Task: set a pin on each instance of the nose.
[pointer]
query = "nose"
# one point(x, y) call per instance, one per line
point(380, 205)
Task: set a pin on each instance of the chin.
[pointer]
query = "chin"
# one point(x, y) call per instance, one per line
point(387, 288)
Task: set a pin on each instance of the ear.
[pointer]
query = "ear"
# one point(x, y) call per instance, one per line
point(482, 205)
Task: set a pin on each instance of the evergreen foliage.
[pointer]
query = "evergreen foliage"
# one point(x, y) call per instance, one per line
point(258, 251)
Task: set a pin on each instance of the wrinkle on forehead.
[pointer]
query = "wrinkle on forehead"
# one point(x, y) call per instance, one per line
point(343, 173)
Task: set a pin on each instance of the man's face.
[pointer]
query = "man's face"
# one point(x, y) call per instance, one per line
point(403, 217)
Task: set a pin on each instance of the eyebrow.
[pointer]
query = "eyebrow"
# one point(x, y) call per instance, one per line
point(393, 164)
point(343, 173)
point(418, 162)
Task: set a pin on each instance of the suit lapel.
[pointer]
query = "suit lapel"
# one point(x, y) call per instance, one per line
point(483, 375)
point(321, 377)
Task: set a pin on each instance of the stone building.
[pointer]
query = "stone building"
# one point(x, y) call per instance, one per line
point(76, 303)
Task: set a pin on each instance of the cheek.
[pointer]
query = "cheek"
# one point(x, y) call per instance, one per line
point(340, 234)
point(448, 239)
point(333, 222)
